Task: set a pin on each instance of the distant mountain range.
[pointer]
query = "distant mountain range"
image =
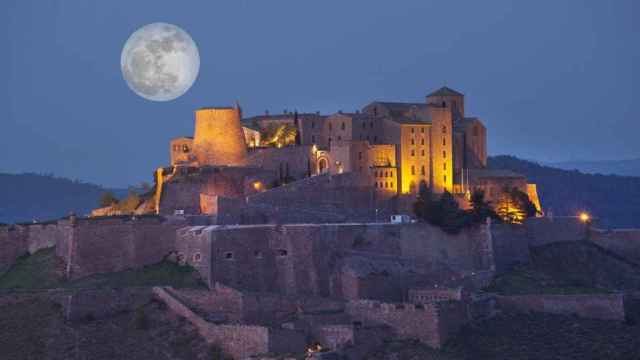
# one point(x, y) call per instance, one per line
point(613, 199)
point(28, 197)
point(606, 167)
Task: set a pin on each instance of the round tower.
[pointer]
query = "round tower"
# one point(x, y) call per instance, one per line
point(218, 139)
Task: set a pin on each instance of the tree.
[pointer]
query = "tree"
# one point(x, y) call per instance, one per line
point(514, 206)
point(480, 209)
point(443, 212)
point(424, 206)
point(108, 199)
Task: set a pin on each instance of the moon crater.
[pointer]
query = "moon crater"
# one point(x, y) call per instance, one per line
point(160, 62)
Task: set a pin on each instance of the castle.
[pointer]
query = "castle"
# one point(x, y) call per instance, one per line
point(381, 154)
point(286, 220)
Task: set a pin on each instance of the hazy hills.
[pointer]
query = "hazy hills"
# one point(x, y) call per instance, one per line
point(615, 200)
point(25, 197)
point(607, 167)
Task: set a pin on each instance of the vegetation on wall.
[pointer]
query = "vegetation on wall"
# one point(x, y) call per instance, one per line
point(515, 206)
point(279, 135)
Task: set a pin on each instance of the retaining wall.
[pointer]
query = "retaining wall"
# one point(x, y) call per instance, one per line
point(624, 242)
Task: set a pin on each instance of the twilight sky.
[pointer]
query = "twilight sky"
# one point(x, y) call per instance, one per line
point(552, 80)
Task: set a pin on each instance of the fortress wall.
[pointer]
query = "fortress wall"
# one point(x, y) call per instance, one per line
point(39, 236)
point(545, 230)
point(297, 158)
point(193, 245)
point(427, 323)
point(305, 258)
point(239, 341)
point(116, 244)
point(511, 243)
point(624, 243)
point(593, 306)
point(12, 246)
point(220, 300)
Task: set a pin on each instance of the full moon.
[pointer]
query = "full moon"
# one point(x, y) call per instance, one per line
point(160, 62)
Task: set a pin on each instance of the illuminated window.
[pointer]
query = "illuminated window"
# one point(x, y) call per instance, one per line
point(413, 170)
point(185, 148)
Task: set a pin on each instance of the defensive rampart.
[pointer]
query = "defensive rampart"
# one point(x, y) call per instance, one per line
point(430, 323)
point(239, 341)
point(624, 242)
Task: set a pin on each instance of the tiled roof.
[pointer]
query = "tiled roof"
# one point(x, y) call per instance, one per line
point(445, 91)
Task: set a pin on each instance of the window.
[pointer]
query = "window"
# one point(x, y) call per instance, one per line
point(476, 131)
point(386, 185)
point(371, 124)
point(339, 138)
point(376, 184)
point(413, 153)
point(391, 184)
point(445, 178)
point(386, 174)
point(228, 255)
point(412, 130)
point(330, 126)
point(422, 152)
point(197, 257)
point(313, 139)
point(413, 141)
point(422, 130)
point(364, 125)
point(444, 142)
point(360, 155)
point(444, 154)
point(391, 174)
point(185, 148)
point(282, 253)
point(258, 254)
point(422, 170)
point(413, 170)
point(313, 124)
point(444, 166)
point(444, 129)
point(422, 141)
point(375, 139)
point(342, 126)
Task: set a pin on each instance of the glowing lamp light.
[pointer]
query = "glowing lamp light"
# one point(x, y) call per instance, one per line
point(257, 185)
point(584, 217)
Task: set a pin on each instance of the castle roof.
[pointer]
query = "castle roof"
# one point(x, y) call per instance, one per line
point(401, 106)
point(445, 91)
point(408, 120)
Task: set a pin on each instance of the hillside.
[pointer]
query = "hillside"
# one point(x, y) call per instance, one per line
point(607, 167)
point(24, 197)
point(613, 200)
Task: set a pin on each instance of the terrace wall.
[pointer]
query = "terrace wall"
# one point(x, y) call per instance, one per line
point(594, 306)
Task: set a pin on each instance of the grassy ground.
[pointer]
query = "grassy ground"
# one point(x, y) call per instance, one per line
point(524, 279)
point(43, 270)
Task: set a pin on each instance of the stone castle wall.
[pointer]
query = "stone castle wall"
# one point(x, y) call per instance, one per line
point(114, 244)
point(428, 323)
point(239, 341)
point(18, 240)
point(305, 258)
point(11, 247)
point(593, 306)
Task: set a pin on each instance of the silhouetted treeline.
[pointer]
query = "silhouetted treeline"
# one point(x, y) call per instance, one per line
point(613, 200)
point(25, 197)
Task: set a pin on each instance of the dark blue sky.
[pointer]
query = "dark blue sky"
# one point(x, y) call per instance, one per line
point(552, 80)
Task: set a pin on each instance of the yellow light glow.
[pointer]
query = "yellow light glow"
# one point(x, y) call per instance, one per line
point(257, 185)
point(584, 217)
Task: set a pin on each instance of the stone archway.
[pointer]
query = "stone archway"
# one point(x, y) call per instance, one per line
point(323, 165)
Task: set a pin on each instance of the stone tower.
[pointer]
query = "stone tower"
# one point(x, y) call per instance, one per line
point(218, 139)
point(449, 98)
